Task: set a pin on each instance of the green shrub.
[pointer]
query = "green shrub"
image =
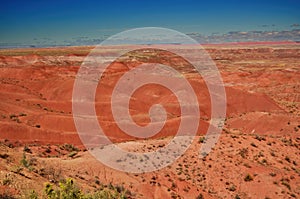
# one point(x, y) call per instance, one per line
point(73, 154)
point(24, 161)
point(201, 140)
point(6, 181)
point(68, 190)
point(32, 195)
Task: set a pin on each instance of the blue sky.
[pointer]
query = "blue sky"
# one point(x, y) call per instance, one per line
point(58, 21)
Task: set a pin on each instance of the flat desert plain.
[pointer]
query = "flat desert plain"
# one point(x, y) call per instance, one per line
point(256, 156)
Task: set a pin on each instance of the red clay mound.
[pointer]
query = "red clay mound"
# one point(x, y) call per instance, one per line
point(36, 98)
point(256, 156)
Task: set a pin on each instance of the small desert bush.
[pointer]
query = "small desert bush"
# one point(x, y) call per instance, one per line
point(24, 161)
point(200, 196)
point(67, 189)
point(201, 140)
point(73, 154)
point(4, 156)
point(6, 180)
point(244, 152)
point(6, 196)
point(248, 178)
point(32, 195)
point(69, 147)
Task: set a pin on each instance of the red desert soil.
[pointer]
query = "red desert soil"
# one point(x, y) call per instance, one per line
point(260, 137)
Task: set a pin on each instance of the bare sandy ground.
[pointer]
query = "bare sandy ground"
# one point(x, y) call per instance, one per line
point(260, 138)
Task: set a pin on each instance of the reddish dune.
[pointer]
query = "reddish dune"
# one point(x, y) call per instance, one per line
point(41, 87)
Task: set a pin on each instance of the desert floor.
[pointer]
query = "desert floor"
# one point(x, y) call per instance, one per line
point(256, 156)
